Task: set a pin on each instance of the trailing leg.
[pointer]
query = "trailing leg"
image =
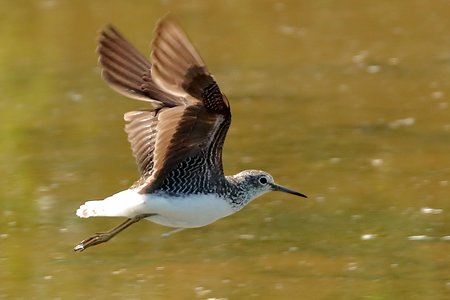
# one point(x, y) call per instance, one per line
point(103, 237)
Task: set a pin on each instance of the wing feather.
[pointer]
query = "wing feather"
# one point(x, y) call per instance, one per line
point(190, 115)
point(128, 72)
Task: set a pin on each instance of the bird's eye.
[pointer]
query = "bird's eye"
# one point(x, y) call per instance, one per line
point(263, 180)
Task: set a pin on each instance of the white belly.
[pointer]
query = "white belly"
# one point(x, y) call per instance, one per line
point(179, 212)
point(187, 212)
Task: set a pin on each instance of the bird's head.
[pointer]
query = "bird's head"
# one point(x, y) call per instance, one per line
point(256, 183)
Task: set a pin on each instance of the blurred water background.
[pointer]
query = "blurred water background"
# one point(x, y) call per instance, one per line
point(345, 101)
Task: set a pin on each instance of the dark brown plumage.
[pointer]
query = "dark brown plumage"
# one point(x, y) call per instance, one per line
point(190, 115)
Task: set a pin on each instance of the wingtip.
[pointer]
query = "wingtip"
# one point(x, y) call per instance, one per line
point(167, 22)
point(109, 28)
point(105, 32)
point(109, 32)
point(167, 18)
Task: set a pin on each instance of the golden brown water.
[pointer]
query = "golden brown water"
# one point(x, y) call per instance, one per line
point(346, 101)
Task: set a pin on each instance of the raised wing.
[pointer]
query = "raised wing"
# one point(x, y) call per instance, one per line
point(179, 69)
point(190, 117)
point(127, 71)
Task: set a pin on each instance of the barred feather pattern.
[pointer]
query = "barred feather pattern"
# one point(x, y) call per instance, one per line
point(141, 130)
point(195, 176)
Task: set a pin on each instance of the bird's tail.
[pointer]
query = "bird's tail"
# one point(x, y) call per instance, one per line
point(94, 208)
point(123, 204)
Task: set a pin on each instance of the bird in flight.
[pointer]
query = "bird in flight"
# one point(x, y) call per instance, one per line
point(177, 141)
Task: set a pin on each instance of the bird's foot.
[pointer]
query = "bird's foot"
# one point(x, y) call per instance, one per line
point(96, 239)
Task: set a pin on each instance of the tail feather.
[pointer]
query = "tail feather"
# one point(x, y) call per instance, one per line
point(94, 208)
point(127, 203)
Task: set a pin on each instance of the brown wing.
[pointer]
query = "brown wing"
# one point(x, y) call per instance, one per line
point(192, 115)
point(127, 71)
point(141, 129)
point(185, 132)
point(179, 69)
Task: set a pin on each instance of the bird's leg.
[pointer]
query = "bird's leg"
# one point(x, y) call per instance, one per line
point(102, 237)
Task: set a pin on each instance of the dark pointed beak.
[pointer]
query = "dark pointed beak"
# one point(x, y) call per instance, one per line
point(280, 188)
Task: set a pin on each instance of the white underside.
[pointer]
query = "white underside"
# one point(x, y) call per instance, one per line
point(179, 212)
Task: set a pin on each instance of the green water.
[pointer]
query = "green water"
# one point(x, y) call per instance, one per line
point(345, 101)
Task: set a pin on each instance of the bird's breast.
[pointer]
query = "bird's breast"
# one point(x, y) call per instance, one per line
point(187, 211)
